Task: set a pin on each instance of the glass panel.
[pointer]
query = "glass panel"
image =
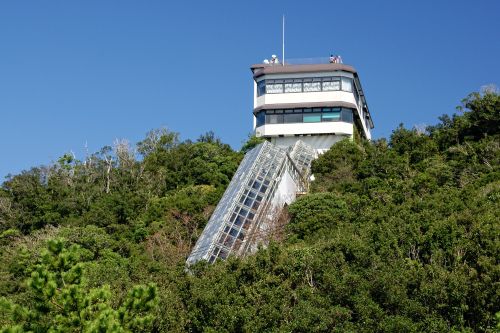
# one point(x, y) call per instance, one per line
point(237, 245)
point(243, 212)
point(312, 86)
point(312, 118)
point(256, 185)
point(239, 220)
point(233, 232)
point(229, 241)
point(331, 86)
point(274, 119)
point(347, 115)
point(261, 88)
point(223, 254)
point(346, 84)
point(246, 225)
point(221, 238)
point(331, 116)
point(248, 202)
point(293, 87)
point(293, 118)
point(276, 88)
point(261, 118)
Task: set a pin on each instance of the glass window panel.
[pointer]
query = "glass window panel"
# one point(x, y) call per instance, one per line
point(221, 238)
point(292, 118)
point(312, 118)
point(212, 259)
point(276, 88)
point(251, 194)
point(248, 202)
point(242, 198)
point(331, 86)
point(326, 109)
point(251, 215)
point(346, 84)
point(256, 205)
point(274, 119)
point(307, 110)
point(289, 111)
point(233, 232)
point(243, 212)
point(331, 116)
point(223, 254)
point(293, 87)
point(239, 220)
point(259, 198)
point(278, 111)
point(237, 245)
point(229, 241)
point(233, 217)
point(256, 185)
point(347, 115)
point(247, 224)
point(263, 189)
point(297, 110)
point(261, 118)
point(241, 236)
point(261, 88)
point(226, 229)
point(312, 86)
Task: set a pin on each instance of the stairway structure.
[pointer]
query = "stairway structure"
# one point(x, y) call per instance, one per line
point(268, 178)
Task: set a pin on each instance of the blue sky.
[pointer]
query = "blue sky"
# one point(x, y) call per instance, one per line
point(76, 73)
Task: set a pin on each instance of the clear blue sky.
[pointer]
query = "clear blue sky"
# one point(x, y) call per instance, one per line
point(77, 72)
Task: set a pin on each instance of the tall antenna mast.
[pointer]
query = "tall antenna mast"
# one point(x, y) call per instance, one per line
point(283, 39)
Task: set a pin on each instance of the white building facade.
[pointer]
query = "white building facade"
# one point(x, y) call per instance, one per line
point(318, 104)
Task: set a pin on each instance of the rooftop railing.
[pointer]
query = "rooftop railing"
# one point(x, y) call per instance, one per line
point(307, 61)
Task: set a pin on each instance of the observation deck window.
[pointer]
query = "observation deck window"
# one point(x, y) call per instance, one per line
point(301, 85)
point(314, 115)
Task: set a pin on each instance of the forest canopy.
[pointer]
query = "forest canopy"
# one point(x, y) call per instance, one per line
point(396, 235)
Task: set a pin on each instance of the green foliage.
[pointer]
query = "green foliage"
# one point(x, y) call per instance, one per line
point(398, 235)
point(61, 302)
point(251, 142)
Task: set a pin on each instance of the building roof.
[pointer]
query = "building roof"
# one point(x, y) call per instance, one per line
point(263, 69)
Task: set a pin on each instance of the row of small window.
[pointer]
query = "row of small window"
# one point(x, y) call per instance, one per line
point(332, 83)
point(313, 115)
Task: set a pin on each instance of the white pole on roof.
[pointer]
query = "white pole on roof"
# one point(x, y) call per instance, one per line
point(283, 39)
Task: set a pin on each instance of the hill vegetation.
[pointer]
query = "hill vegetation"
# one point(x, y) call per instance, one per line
point(397, 235)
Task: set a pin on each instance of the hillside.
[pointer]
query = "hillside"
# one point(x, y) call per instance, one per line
point(397, 235)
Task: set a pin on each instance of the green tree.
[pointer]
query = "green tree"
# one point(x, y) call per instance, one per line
point(62, 303)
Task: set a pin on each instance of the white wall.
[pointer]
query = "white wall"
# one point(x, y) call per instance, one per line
point(305, 97)
point(337, 127)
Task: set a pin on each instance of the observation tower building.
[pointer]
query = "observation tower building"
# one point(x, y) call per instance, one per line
point(318, 101)
point(302, 110)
